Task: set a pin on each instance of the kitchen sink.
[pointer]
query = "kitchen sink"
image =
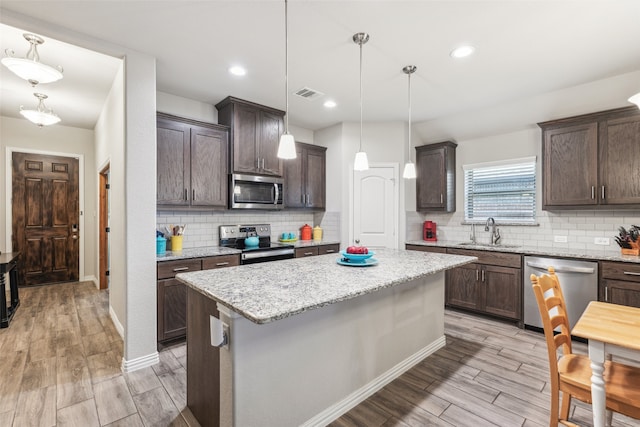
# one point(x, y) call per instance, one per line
point(487, 245)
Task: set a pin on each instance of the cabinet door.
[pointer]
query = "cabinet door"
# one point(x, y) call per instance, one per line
point(502, 291)
point(172, 309)
point(245, 139)
point(294, 185)
point(430, 186)
point(173, 170)
point(208, 167)
point(620, 161)
point(461, 289)
point(624, 293)
point(271, 127)
point(315, 177)
point(570, 174)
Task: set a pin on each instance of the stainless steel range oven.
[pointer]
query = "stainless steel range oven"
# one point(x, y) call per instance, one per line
point(234, 236)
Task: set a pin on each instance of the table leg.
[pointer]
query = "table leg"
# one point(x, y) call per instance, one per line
point(598, 396)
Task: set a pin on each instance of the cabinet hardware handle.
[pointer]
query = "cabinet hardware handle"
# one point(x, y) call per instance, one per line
point(477, 275)
point(193, 194)
point(221, 264)
point(603, 192)
point(180, 269)
point(441, 199)
point(308, 253)
point(257, 162)
point(302, 199)
point(606, 294)
point(307, 202)
point(329, 251)
point(482, 276)
point(262, 167)
point(593, 192)
point(631, 273)
point(186, 194)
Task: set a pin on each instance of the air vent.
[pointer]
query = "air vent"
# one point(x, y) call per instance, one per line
point(308, 93)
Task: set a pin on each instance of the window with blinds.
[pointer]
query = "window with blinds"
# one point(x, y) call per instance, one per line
point(505, 191)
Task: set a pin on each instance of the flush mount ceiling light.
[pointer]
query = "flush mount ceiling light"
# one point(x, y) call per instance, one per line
point(462, 51)
point(635, 99)
point(330, 104)
point(42, 116)
point(287, 146)
point(237, 70)
point(409, 167)
point(361, 162)
point(30, 68)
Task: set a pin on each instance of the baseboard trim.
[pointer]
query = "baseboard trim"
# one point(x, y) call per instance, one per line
point(340, 408)
point(92, 279)
point(140, 362)
point(116, 322)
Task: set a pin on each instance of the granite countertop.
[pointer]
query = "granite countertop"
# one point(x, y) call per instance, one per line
point(544, 252)
point(264, 294)
point(197, 253)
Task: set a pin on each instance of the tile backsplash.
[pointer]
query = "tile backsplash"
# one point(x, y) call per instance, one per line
point(579, 227)
point(202, 227)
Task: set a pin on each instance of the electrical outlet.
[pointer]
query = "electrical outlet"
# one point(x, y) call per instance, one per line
point(601, 241)
point(560, 239)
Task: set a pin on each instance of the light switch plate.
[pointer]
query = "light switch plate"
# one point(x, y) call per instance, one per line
point(560, 239)
point(602, 241)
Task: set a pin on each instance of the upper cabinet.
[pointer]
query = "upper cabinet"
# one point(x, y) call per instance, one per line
point(191, 163)
point(592, 161)
point(305, 178)
point(255, 135)
point(436, 177)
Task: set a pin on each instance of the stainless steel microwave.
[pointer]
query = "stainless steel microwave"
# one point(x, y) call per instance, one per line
point(255, 192)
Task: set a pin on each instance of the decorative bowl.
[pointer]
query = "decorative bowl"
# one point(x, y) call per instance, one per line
point(357, 257)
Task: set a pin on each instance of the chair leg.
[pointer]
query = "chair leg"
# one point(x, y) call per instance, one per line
point(555, 400)
point(566, 405)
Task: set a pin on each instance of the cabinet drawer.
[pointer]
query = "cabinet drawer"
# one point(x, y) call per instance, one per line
point(222, 261)
point(490, 257)
point(421, 248)
point(629, 272)
point(169, 269)
point(303, 252)
point(328, 249)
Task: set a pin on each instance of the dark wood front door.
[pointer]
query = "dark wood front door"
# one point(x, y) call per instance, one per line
point(45, 217)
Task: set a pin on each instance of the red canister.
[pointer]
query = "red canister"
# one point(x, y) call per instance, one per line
point(305, 232)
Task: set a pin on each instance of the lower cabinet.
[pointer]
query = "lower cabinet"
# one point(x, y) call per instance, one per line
point(492, 286)
point(316, 250)
point(421, 248)
point(172, 294)
point(620, 283)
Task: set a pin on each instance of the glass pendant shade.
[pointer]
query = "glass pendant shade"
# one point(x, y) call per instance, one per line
point(361, 162)
point(635, 99)
point(287, 147)
point(41, 116)
point(30, 68)
point(409, 171)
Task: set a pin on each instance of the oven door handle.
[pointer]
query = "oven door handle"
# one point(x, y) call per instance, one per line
point(277, 193)
point(266, 254)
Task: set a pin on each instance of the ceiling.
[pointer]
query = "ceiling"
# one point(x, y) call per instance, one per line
point(523, 48)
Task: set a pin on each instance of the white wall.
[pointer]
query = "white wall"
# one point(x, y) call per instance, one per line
point(20, 134)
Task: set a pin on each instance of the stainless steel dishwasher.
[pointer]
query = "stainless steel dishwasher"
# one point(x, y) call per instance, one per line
point(578, 280)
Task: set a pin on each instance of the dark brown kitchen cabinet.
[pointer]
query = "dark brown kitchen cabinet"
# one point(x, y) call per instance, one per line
point(255, 135)
point(493, 285)
point(172, 294)
point(620, 283)
point(316, 250)
point(421, 248)
point(305, 178)
point(592, 161)
point(191, 163)
point(436, 177)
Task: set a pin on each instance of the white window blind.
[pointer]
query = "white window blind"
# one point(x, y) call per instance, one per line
point(505, 191)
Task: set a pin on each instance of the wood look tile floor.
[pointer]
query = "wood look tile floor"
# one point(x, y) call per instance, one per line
point(60, 366)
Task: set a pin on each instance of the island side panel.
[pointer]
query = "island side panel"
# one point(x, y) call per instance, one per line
point(312, 367)
point(203, 361)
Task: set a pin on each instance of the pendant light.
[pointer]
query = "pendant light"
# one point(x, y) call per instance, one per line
point(361, 162)
point(409, 167)
point(287, 145)
point(41, 116)
point(635, 99)
point(30, 68)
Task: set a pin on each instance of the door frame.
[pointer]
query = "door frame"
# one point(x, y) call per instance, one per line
point(9, 191)
point(396, 197)
point(103, 223)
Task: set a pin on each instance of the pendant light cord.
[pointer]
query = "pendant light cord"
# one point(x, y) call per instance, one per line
point(409, 116)
point(360, 95)
point(286, 66)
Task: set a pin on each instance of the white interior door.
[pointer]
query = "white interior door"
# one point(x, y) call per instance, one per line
point(376, 194)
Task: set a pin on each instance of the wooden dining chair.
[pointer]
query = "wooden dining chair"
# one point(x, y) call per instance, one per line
point(571, 373)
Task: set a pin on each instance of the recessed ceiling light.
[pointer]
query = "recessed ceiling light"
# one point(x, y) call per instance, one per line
point(237, 70)
point(462, 51)
point(330, 104)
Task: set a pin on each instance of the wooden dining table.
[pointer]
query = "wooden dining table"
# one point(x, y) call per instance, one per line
point(611, 329)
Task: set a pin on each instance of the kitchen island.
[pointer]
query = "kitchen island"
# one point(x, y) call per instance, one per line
point(308, 339)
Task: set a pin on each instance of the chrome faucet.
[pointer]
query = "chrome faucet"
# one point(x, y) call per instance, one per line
point(495, 233)
point(472, 236)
